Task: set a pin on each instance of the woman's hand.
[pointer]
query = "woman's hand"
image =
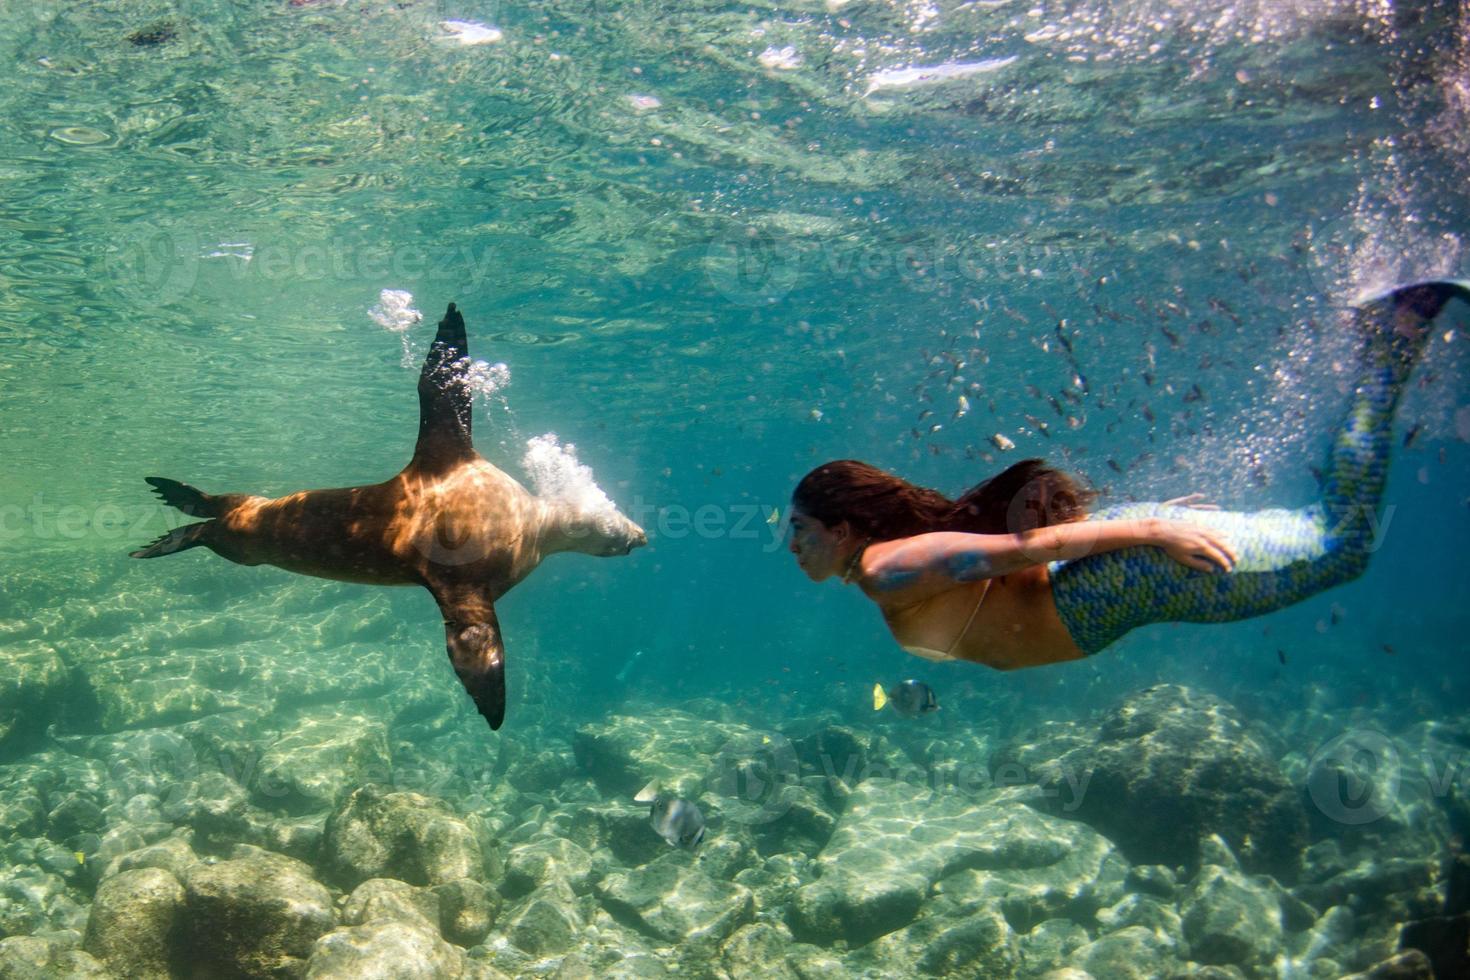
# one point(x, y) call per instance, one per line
point(1201, 548)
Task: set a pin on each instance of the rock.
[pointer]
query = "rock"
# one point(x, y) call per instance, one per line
point(1152, 879)
point(53, 859)
point(545, 922)
point(777, 880)
point(382, 834)
point(1214, 849)
point(102, 851)
point(1166, 769)
point(258, 914)
point(758, 948)
point(628, 751)
point(1231, 919)
point(634, 966)
point(1444, 939)
point(1411, 964)
point(639, 967)
point(812, 963)
point(387, 951)
point(876, 871)
point(386, 900)
point(22, 814)
point(158, 691)
point(1296, 915)
point(723, 856)
point(216, 808)
point(1049, 944)
point(1140, 910)
point(542, 772)
point(794, 820)
point(1388, 889)
point(627, 833)
point(136, 916)
point(319, 758)
point(297, 837)
point(467, 910)
point(1030, 887)
point(35, 680)
point(35, 958)
point(676, 903)
point(895, 842)
point(74, 814)
point(1134, 953)
point(33, 900)
point(846, 756)
point(1330, 937)
point(974, 943)
point(173, 854)
point(537, 863)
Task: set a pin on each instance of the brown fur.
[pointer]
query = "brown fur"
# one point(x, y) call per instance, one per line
point(450, 521)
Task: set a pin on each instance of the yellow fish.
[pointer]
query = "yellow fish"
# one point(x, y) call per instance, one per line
point(880, 697)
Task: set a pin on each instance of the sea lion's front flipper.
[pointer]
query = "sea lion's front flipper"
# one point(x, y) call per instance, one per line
point(472, 634)
point(444, 398)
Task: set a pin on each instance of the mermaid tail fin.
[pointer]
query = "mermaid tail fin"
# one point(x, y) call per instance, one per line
point(1395, 324)
point(1424, 299)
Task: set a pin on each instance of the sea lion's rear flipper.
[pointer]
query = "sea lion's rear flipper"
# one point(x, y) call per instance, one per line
point(444, 398)
point(179, 539)
point(472, 634)
point(190, 500)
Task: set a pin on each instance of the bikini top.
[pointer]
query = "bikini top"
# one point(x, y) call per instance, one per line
point(929, 653)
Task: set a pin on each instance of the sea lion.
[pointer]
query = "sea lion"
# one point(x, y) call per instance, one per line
point(449, 521)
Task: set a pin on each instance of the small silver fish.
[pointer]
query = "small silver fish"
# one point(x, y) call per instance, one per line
point(675, 820)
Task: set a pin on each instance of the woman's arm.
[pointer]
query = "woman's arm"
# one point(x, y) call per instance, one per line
point(911, 569)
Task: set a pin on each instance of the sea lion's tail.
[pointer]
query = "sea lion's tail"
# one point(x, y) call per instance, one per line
point(179, 539)
point(190, 500)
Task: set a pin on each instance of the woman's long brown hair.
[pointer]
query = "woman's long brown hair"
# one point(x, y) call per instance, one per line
point(883, 507)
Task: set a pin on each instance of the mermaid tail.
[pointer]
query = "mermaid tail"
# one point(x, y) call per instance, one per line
point(1283, 556)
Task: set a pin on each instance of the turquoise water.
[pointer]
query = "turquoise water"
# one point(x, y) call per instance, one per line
point(713, 245)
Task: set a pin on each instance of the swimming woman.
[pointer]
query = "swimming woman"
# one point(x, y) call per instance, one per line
point(1017, 573)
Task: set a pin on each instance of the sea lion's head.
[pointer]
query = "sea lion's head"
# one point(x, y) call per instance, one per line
point(602, 531)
